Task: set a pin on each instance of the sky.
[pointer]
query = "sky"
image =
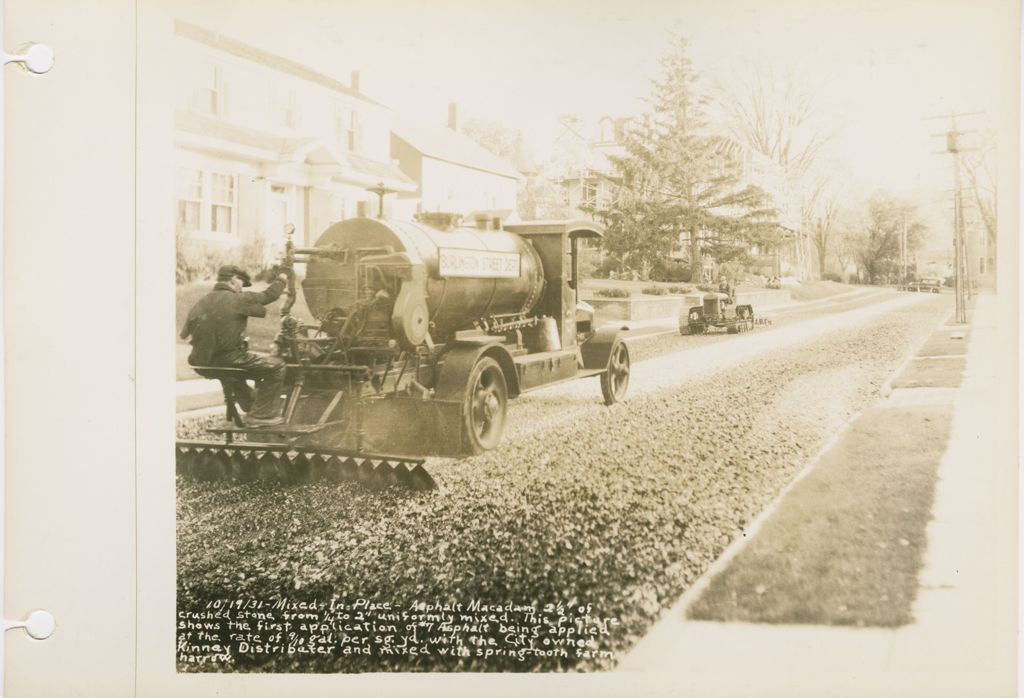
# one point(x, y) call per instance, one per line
point(877, 69)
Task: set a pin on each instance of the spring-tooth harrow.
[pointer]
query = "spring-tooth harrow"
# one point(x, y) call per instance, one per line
point(250, 462)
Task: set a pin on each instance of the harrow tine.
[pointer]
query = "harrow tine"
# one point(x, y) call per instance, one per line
point(317, 467)
point(243, 468)
point(366, 474)
point(402, 475)
point(205, 467)
point(221, 463)
point(184, 461)
point(421, 480)
point(332, 469)
point(348, 470)
point(270, 467)
point(300, 468)
point(288, 472)
point(386, 475)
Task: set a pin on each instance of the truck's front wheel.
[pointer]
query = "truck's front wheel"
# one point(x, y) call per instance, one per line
point(485, 406)
point(615, 379)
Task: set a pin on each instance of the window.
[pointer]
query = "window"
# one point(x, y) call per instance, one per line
point(342, 122)
point(190, 199)
point(211, 94)
point(206, 202)
point(222, 203)
point(355, 133)
point(286, 108)
point(589, 194)
point(347, 128)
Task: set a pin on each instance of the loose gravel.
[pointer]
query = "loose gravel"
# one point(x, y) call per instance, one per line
point(622, 508)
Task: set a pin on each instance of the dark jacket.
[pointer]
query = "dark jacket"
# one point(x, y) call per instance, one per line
point(217, 322)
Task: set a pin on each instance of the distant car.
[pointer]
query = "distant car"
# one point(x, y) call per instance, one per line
point(925, 285)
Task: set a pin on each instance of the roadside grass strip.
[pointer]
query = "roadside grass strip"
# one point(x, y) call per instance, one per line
point(931, 373)
point(845, 545)
point(943, 344)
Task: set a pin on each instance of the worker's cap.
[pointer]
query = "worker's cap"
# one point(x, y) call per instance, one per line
point(226, 272)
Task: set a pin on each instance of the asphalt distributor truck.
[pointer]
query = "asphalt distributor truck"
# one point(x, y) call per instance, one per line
point(422, 334)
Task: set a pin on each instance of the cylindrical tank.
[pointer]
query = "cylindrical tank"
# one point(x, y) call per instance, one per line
point(471, 273)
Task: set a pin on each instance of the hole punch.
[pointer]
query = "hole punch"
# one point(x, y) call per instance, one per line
point(35, 58)
point(39, 625)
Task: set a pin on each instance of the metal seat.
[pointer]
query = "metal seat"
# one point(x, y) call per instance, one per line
point(226, 376)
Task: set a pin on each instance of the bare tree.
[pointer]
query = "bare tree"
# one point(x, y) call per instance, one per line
point(979, 173)
point(775, 116)
point(819, 214)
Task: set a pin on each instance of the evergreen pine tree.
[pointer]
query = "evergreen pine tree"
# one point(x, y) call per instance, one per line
point(678, 178)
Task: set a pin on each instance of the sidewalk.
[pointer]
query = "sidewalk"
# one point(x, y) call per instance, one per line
point(963, 641)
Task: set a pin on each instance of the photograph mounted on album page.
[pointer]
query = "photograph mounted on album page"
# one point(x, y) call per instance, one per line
point(559, 348)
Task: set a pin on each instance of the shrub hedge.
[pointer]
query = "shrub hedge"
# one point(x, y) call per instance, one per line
point(613, 292)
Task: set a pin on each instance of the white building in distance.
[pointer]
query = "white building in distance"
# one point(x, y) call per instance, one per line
point(452, 172)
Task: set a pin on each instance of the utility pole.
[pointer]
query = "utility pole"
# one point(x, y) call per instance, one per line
point(960, 274)
point(903, 249)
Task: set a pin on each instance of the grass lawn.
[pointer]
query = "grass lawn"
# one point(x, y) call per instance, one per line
point(931, 373)
point(845, 545)
point(261, 331)
point(940, 344)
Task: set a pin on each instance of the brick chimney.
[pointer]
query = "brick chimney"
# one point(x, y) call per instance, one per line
point(355, 80)
point(453, 116)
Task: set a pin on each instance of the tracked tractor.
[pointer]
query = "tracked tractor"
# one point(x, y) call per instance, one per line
point(421, 336)
point(716, 311)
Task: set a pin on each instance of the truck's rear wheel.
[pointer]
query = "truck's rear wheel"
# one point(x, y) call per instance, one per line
point(615, 379)
point(485, 406)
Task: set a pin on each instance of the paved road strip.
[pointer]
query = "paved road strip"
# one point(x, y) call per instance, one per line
point(671, 370)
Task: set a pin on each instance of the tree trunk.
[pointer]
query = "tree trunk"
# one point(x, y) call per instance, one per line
point(696, 261)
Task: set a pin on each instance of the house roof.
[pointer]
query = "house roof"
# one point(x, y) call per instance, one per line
point(242, 50)
point(314, 151)
point(442, 143)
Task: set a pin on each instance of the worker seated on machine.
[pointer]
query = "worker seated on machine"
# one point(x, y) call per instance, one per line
point(217, 324)
point(725, 287)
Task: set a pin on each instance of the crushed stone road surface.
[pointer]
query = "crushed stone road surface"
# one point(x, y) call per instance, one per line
point(621, 507)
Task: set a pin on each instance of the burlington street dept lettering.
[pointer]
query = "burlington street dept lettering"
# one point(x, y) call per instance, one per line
point(242, 632)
